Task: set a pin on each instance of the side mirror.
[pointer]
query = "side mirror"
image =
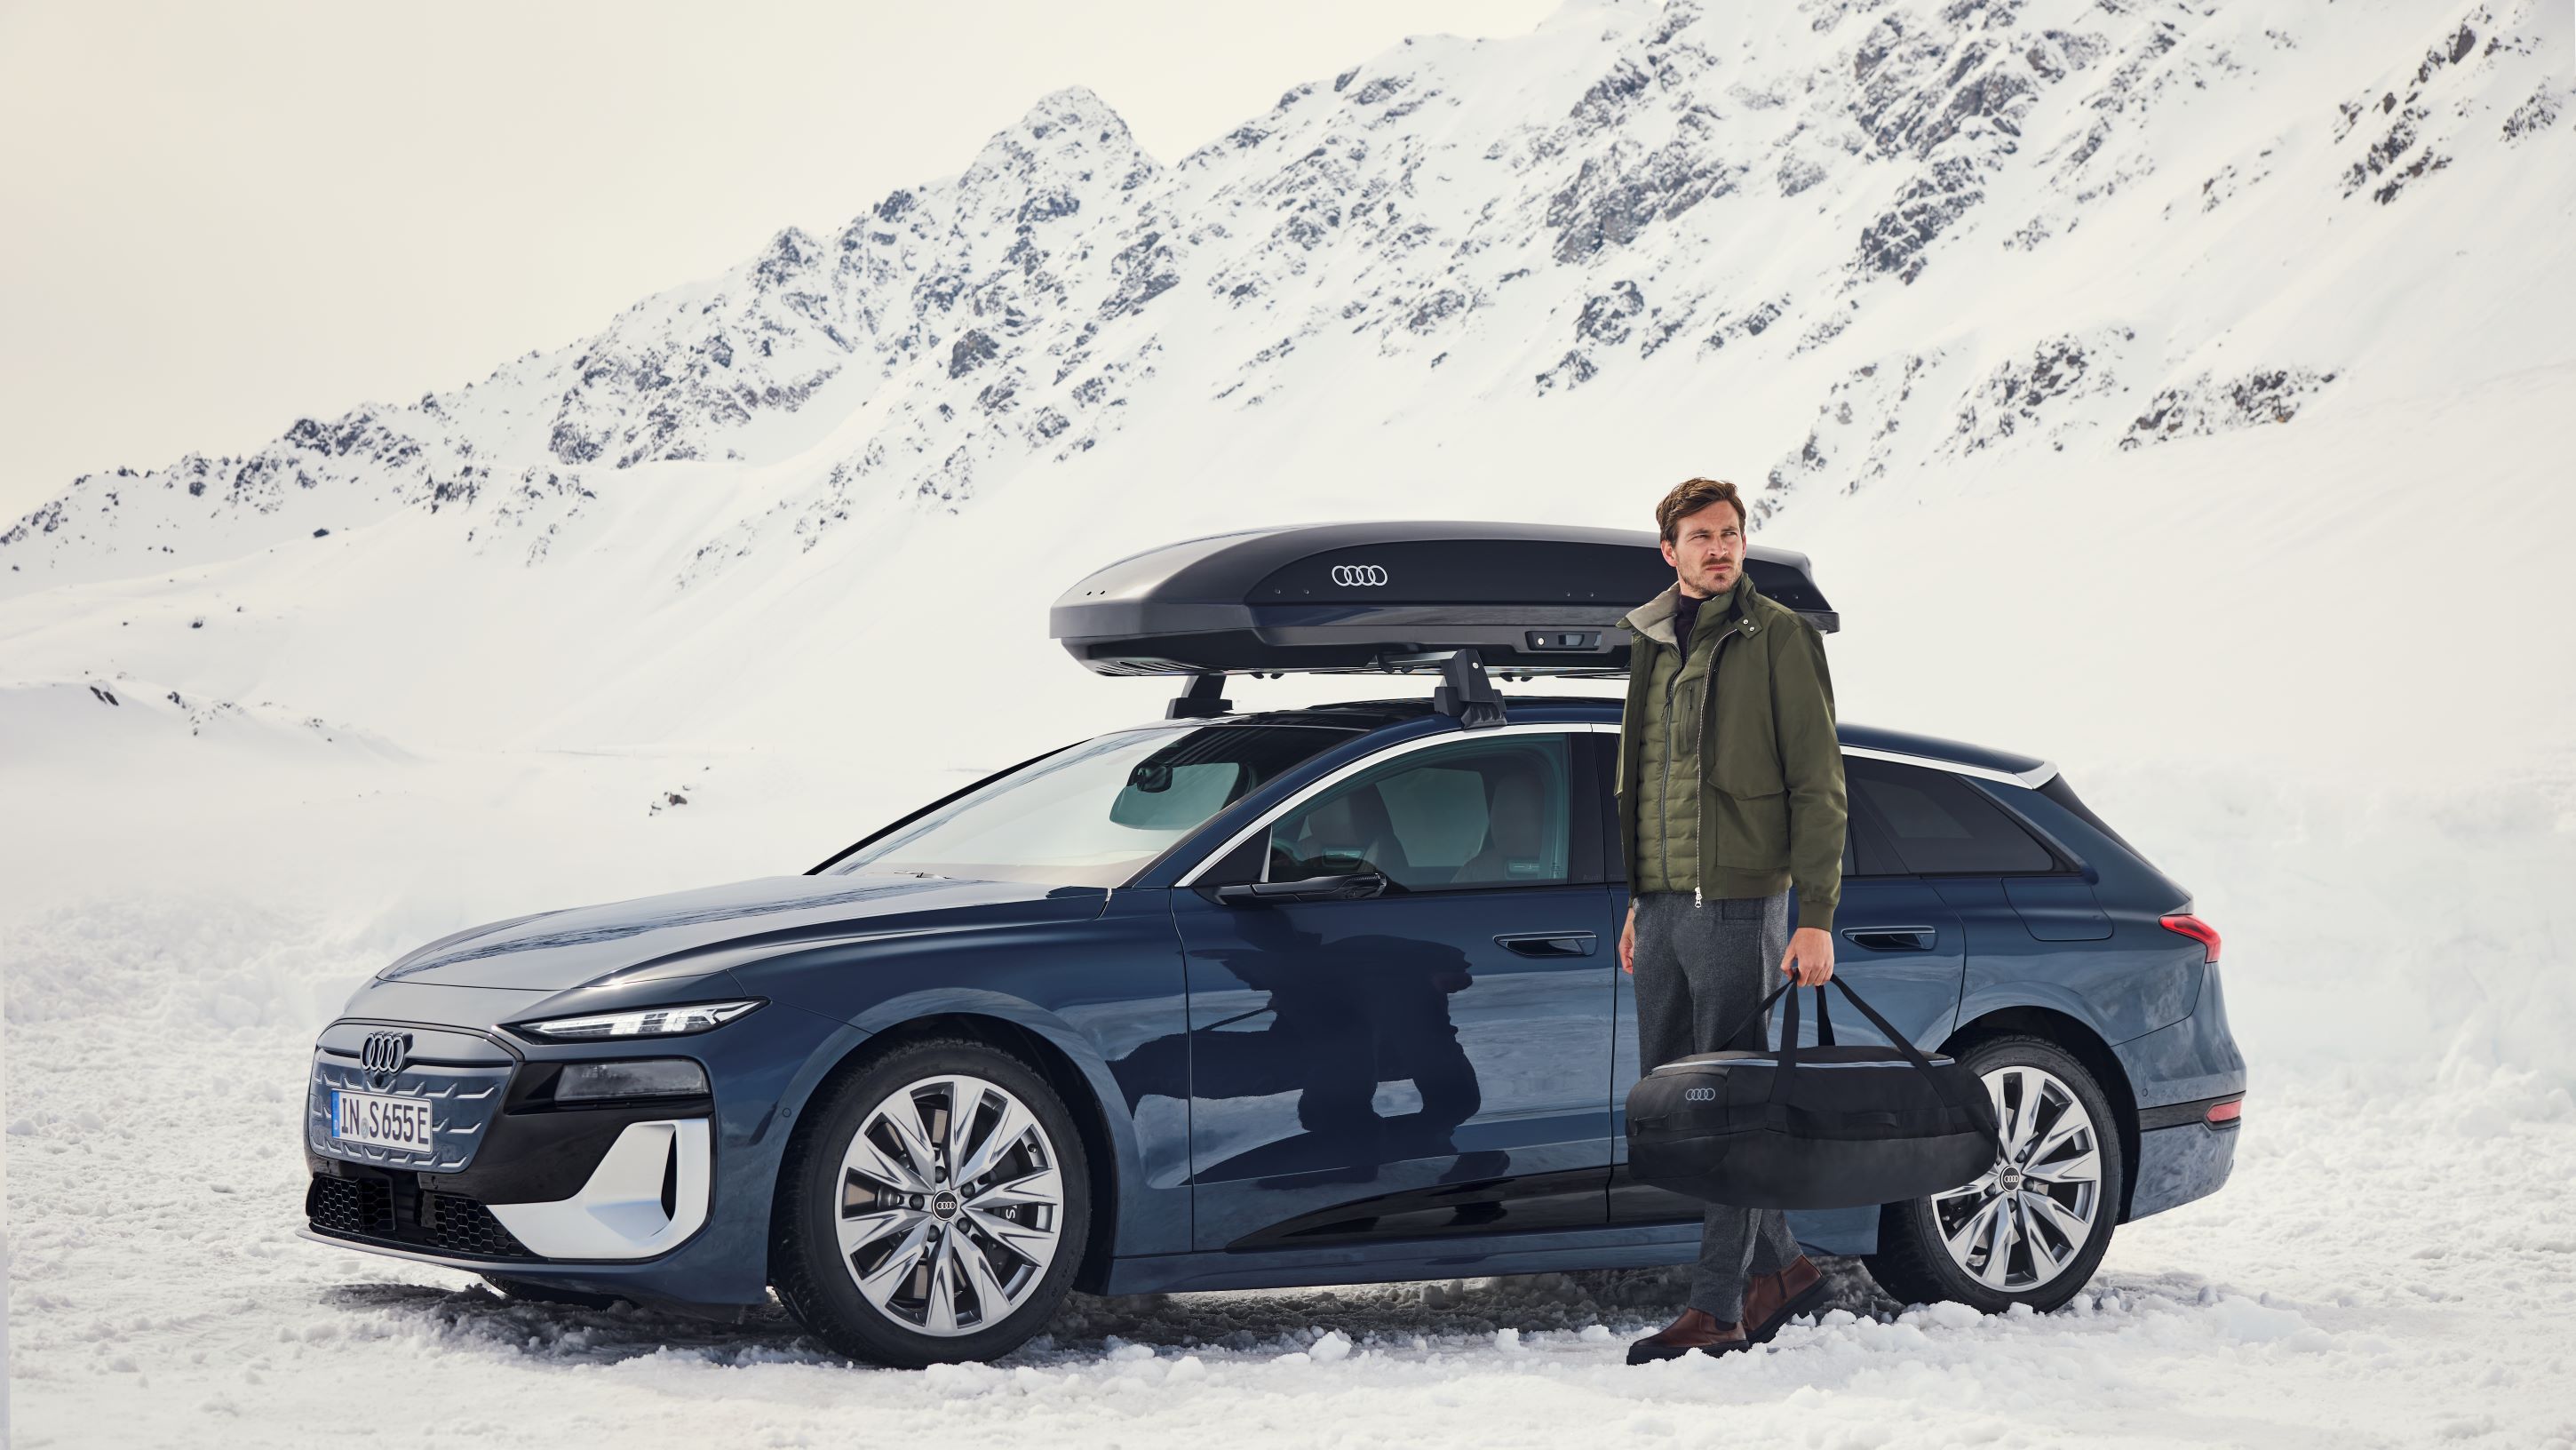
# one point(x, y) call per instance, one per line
point(1359, 886)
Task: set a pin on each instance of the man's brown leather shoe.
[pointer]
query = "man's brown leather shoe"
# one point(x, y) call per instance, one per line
point(1694, 1330)
point(1772, 1300)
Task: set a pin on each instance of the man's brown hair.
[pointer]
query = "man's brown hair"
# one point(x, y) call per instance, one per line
point(1689, 497)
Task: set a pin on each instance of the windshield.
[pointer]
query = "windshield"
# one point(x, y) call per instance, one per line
point(1094, 814)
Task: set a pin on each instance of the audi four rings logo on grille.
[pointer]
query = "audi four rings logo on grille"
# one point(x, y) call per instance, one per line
point(1348, 575)
point(383, 1056)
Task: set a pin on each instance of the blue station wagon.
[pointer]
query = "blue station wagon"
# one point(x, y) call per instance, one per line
point(1243, 999)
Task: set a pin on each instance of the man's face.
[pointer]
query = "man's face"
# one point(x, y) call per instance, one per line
point(1708, 549)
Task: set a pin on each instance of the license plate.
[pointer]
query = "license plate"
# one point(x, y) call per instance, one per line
point(381, 1122)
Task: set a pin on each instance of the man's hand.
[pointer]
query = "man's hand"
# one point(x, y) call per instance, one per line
point(1810, 958)
point(1628, 941)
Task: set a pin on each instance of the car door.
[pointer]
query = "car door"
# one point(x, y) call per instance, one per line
point(1898, 943)
point(1423, 1061)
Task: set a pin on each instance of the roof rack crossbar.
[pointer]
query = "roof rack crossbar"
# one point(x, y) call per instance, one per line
point(1200, 701)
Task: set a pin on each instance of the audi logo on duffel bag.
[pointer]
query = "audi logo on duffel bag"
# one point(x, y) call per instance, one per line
point(1350, 575)
point(1699, 1095)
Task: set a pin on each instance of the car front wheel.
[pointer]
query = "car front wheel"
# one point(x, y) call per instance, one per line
point(934, 1207)
point(2033, 1228)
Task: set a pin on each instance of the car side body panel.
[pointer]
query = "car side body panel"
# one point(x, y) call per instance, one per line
point(1094, 989)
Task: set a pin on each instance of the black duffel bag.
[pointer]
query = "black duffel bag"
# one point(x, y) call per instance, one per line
point(1823, 1126)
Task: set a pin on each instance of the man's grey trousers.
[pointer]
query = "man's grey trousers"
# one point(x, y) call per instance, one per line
point(1698, 969)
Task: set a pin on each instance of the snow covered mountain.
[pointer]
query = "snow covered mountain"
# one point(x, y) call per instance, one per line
point(1818, 248)
point(1846, 196)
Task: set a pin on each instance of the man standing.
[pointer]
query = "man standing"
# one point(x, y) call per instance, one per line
point(1730, 793)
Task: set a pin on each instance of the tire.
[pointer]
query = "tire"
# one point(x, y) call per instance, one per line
point(901, 1243)
point(1943, 1246)
point(545, 1294)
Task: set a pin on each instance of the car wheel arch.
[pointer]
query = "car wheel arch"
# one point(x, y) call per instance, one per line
point(1052, 1061)
point(2088, 1048)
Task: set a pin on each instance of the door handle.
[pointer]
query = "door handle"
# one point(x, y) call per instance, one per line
point(1548, 943)
point(1892, 938)
point(1359, 886)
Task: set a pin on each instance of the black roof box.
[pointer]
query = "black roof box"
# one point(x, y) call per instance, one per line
point(1529, 599)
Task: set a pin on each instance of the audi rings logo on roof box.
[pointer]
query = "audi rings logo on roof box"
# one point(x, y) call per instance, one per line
point(383, 1056)
point(1359, 575)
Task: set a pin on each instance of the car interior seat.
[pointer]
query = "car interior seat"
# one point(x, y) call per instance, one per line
point(1353, 826)
point(1515, 826)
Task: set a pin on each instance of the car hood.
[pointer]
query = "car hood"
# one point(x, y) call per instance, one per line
point(690, 933)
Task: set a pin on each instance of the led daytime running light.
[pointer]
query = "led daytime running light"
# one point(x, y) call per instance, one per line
point(648, 1022)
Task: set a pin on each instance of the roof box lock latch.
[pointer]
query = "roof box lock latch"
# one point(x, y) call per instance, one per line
point(1581, 641)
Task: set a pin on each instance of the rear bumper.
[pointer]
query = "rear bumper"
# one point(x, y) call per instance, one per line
point(2176, 1073)
point(2177, 1165)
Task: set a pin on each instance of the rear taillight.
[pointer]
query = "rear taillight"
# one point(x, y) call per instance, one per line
point(2197, 929)
point(2225, 1114)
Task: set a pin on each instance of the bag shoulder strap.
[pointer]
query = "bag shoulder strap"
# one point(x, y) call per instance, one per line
point(1913, 1054)
point(1762, 1009)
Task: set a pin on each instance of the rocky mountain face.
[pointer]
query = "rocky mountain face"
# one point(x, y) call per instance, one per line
point(1921, 230)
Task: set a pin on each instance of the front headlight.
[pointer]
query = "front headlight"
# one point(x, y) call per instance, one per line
point(649, 1022)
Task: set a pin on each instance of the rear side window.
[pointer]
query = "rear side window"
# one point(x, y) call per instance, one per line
point(1939, 825)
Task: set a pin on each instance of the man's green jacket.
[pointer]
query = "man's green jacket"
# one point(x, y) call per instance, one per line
point(1736, 772)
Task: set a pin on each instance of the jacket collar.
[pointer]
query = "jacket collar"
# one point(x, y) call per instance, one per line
point(1654, 618)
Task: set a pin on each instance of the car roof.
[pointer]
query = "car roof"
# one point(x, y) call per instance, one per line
point(1372, 715)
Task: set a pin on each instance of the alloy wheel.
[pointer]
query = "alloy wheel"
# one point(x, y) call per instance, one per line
point(2031, 1214)
point(951, 1204)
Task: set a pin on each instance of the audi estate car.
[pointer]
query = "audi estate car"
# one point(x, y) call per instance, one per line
point(1256, 998)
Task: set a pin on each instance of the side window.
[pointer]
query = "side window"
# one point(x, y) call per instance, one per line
point(1865, 849)
point(1939, 825)
point(1469, 814)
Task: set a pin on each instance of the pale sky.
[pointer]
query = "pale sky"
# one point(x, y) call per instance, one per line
point(220, 218)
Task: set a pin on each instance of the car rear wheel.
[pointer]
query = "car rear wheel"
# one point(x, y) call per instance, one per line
point(933, 1207)
point(2033, 1228)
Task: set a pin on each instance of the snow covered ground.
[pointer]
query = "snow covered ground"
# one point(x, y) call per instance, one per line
point(2391, 1265)
point(2304, 642)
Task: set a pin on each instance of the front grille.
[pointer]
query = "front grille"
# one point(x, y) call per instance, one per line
point(350, 1206)
point(392, 1209)
point(462, 1226)
point(463, 1101)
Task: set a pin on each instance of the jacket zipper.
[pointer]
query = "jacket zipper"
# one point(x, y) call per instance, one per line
point(1671, 687)
point(1708, 706)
